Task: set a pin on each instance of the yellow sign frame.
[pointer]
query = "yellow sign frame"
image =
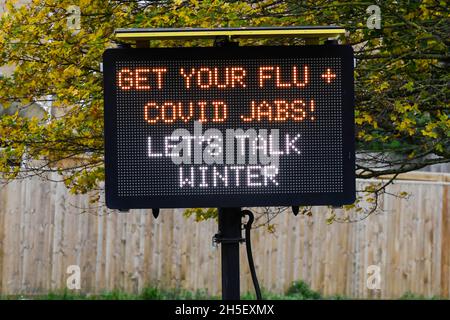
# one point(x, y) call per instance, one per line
point(230, 33)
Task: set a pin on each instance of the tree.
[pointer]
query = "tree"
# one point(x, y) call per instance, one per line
point(402, 94)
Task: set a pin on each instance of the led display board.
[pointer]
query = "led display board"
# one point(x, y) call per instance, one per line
point(229, 126)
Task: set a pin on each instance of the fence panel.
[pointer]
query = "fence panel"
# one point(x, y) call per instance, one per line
point(44, 229)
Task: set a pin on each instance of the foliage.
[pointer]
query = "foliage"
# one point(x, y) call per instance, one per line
point(149, 293)
point(402, 93)
point(302, 289)
point(299, 290)
point(201, 214)
point(411, 296)
point(177, 294)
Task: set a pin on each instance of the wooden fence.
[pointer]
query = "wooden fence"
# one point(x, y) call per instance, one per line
point(43, 230)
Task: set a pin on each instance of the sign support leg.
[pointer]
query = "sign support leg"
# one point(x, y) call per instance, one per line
point(230, 235)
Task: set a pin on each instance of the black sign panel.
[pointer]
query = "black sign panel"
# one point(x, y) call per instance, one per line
point(229, 126)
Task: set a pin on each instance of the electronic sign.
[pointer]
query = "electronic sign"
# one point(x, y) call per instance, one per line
point(229, 126)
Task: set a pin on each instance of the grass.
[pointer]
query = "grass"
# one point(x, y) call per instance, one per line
point(299, 290)
point(150, 293)
point(411, 296)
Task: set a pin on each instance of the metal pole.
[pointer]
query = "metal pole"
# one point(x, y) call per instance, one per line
point(230, 235)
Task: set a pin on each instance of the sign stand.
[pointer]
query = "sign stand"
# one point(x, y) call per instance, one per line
point(229, 236)
point(230, 232)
